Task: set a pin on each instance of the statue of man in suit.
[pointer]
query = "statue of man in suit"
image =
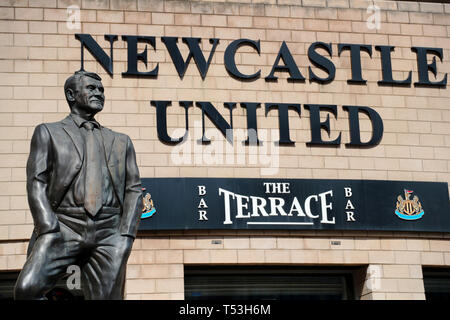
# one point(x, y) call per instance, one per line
point(85, 197)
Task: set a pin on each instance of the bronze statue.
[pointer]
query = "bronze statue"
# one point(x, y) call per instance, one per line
point(84, 193)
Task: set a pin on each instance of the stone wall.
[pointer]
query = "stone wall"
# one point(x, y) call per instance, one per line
point(155, 267)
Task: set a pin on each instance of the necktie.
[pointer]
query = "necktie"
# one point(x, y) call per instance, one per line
point(93, 172)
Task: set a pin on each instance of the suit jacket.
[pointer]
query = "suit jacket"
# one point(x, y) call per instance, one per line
point(55, 159)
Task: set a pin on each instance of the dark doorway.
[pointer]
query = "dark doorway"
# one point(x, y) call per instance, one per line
point(269, 283)
point(437, 283)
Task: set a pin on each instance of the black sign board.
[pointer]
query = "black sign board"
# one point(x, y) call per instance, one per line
point(303, 204)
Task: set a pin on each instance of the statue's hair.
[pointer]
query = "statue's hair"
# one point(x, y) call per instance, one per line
point(74, 79)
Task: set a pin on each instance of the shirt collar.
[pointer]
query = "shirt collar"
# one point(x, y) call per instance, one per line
point(79, 121)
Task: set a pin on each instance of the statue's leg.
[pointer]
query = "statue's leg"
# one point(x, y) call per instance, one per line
point(103, 276)
point(46, 263)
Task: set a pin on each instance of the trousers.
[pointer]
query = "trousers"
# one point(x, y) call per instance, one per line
point(93, 243)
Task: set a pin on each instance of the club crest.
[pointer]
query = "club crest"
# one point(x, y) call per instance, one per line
point(149, 208)
point(408, 209)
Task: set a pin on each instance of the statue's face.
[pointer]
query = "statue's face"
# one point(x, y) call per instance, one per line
point(89, 97)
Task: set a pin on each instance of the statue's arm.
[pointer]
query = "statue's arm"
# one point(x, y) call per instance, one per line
point(132, 203)
point(38, 175)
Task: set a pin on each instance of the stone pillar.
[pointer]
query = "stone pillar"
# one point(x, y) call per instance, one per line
point(393, 282)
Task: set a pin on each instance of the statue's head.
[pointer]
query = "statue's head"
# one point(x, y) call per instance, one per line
point(84, 93)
